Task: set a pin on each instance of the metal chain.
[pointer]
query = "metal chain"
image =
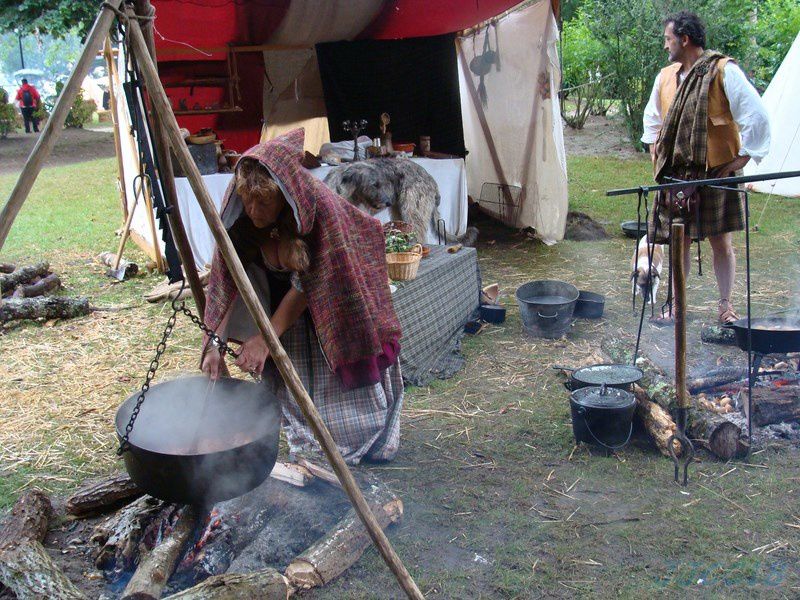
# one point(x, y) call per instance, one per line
point(151, 371)
point(177, 306)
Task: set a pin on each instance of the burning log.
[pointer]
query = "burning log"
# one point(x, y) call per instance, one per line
point(22, 275)
point(343, 545)
point(775, 404)
point(716, 378)
point(38, 288)
point(43, 307)
point(25, 566)
point(265, 584)
point(156, 566)
point(656, 421)
point(118, 536)
point(97, 496)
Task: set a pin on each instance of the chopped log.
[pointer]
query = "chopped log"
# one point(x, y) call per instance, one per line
point(156, 566)
point(291, 473)
point(38, 288)
point(720, 436)
point(343, 545)
point(7, 268)
point(717, 378)
point(265, 584)
point(43, 307)
point(657, 422)
point(31, 574)
point(25, 567)
point(714, 334)
point(775, 404)
point(119, 535)
point(109, 258)
point(98, 496)
point(27, 521)
point(320, 472)
point(22, 275)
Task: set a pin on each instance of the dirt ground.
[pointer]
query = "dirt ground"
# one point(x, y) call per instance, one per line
point(73, 146)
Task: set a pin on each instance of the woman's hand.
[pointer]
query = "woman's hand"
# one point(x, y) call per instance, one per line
point(253, 355)
point(213, 363)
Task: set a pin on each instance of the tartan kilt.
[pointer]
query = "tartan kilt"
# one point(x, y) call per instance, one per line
point(721, 211)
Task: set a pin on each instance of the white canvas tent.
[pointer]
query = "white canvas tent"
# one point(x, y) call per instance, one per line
point(781, 100)
point(515, 137)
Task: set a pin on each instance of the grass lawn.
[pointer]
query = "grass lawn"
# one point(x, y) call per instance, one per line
point(498, 502)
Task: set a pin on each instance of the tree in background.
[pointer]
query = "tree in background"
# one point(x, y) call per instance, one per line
point(54, 17)
point(53, 56)
point(777, 26)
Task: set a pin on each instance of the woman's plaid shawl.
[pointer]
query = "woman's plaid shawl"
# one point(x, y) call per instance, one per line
point(683, 141)
point(347, 284)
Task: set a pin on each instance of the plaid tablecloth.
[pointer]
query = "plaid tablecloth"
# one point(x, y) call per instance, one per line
point(432, 309)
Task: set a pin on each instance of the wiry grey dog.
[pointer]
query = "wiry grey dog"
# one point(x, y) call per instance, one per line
point(396, 183)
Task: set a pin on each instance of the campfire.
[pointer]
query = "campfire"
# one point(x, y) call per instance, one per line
point(295, 531)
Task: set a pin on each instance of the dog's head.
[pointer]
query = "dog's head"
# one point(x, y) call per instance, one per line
point(366, 184)
point(644, 279)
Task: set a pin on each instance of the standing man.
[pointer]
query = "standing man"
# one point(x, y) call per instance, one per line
point(704, 119)
point(28, 100)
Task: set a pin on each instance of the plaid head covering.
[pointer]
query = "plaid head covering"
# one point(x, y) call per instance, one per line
point(346, 285)
point(683, 141)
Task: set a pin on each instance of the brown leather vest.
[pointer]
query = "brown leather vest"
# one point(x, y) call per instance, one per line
point(723, 133)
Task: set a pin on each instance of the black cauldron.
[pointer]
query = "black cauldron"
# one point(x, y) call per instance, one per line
point(199, 442)
point(602, 415)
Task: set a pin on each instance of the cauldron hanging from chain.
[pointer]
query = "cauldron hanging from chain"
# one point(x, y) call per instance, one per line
point(198, 441)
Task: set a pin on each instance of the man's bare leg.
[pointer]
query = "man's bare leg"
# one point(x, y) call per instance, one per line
point(724, 271)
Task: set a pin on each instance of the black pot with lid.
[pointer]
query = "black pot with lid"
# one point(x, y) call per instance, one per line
point(602, 415)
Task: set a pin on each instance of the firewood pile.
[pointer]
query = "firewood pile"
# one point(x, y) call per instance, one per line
point(296, 531)
point(26, 294)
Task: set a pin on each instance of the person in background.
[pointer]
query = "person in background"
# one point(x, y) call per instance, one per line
point(28, 100)
point(703, 120)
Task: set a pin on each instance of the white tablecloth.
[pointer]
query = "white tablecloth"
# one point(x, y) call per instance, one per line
point(450, 176)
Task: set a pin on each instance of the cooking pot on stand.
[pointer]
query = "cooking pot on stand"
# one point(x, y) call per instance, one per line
point(769, 334)
point(200, 442)
point(602, 415)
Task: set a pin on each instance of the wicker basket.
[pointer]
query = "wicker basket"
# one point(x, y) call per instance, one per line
point(403, 266)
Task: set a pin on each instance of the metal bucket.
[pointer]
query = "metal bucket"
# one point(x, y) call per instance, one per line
point(547, 307)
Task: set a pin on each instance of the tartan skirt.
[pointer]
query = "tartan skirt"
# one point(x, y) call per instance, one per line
point(718, 211)
point(364, 423)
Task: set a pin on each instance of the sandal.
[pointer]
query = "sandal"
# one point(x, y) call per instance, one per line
point(726, 312)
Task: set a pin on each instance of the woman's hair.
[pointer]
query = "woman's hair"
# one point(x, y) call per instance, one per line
point(253, 180)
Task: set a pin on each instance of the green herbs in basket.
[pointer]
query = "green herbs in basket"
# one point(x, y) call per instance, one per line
point(396, 241)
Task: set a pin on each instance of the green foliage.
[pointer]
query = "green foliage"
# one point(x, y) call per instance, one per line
point(777, 26)
point(8, 118)
point(582, 80)
point(55, 17)
point(80, 113)
point(397, 241)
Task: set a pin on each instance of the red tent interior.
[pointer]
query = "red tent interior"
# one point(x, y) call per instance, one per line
point(192, 40)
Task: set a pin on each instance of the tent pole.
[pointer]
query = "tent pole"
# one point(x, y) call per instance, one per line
point(112, 104)
point(164, 162)
point(285, 367)
point(48, 137)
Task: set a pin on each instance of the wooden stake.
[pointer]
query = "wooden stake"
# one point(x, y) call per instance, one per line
point(47, 139)
point(161, 106)
point(679, 312)
point(112, 104)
